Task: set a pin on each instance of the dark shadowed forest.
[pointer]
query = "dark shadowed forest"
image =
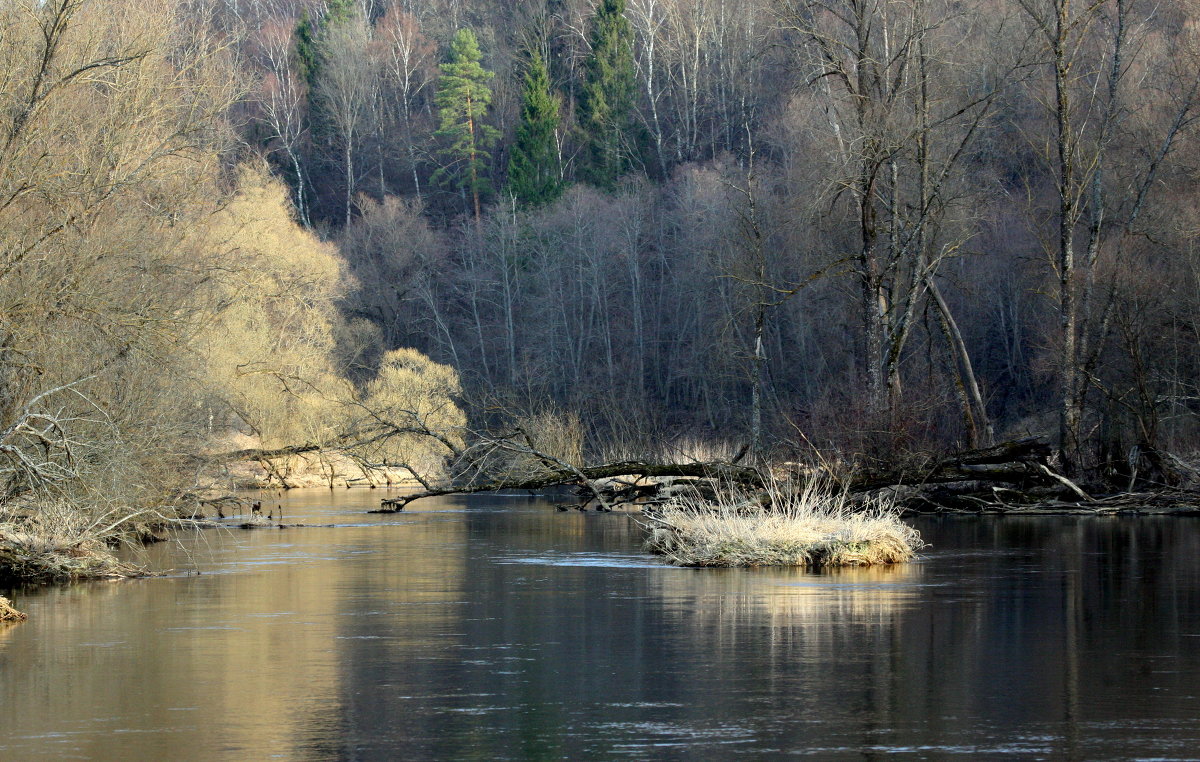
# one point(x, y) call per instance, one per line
point(883, 224)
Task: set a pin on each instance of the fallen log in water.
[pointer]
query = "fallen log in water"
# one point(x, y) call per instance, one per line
point(1020, 461)
point(556, 477)
point(1164, 503)
point(1011, 477)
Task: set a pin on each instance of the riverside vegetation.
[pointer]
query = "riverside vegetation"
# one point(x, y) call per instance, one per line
point(157, 297)
point(378, 238)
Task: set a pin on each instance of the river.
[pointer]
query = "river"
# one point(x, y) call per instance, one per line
point(492, 627)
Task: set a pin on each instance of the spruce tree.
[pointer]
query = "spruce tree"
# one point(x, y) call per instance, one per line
point(533, 169)
point(606, 98)
point(306, 47)
point(313, 35)
point(310, 36)
point(463, 98)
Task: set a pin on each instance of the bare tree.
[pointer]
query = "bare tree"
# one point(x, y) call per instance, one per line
point(282, 99)
point(347, 88)
point(900, 149)
point(409, 64)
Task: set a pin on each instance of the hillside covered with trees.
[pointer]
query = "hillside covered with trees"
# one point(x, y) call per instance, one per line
point(886, 225)
point(869, 227)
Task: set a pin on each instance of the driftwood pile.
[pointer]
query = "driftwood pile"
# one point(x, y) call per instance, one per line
point(1012, 477)
point(8, 613)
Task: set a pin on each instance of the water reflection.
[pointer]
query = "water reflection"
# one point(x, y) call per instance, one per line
point(500, 629)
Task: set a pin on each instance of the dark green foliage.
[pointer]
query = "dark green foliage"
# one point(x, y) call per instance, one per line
point(533, 167)
point(339, 11)
point(309, 34)
point(462, 99)
point(306, 48)
point(606, 99)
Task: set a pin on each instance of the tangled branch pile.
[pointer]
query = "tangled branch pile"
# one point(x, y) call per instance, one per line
point(59, 542)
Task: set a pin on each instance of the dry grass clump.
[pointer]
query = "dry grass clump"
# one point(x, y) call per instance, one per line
point(8, 613)
point(814, 526)
point(56, 542)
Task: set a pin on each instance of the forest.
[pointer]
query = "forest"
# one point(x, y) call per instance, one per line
point(872, 226)
point(860, 229)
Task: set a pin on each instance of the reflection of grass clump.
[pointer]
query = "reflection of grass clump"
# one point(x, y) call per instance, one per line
point(814, 526)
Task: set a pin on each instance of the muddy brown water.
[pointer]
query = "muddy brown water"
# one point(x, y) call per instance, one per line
point(497, 628)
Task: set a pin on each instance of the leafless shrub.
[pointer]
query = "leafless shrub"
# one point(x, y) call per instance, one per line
point(59, 541)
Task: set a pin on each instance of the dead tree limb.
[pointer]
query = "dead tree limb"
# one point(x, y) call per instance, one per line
point(582, 476)
point(1019, 461)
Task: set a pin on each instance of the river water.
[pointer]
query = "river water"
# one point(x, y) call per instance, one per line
point(497, 628)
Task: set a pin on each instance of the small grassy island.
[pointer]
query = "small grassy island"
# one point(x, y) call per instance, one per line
point(814, 527)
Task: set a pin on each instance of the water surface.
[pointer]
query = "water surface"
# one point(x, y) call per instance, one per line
point(497, 628)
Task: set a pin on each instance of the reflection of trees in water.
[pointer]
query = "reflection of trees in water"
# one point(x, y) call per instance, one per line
point(400, 604)
point(1046, 624)
point(258, 656)
point(390, 636)
point(1058, 621)
point(1128, 575)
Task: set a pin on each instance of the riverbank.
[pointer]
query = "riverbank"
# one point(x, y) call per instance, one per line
point(55, 541)
point(46, 558)
point(330, 469)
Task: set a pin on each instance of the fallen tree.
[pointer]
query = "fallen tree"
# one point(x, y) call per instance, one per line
point(1018, 476)
point(586, 477)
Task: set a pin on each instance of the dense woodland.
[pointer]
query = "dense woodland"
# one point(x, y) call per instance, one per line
point(884, 224)
point(873, 227)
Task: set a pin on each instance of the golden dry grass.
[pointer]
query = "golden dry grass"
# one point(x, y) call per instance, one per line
point(8, 613)
point(812, 526)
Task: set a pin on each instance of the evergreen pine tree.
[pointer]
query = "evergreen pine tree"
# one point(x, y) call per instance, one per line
point(462, 99)
point(606, 99)
point(533, 168)
point(309, 34)
point(306, 47)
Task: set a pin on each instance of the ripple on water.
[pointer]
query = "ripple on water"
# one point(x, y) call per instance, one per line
point(611, 561)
